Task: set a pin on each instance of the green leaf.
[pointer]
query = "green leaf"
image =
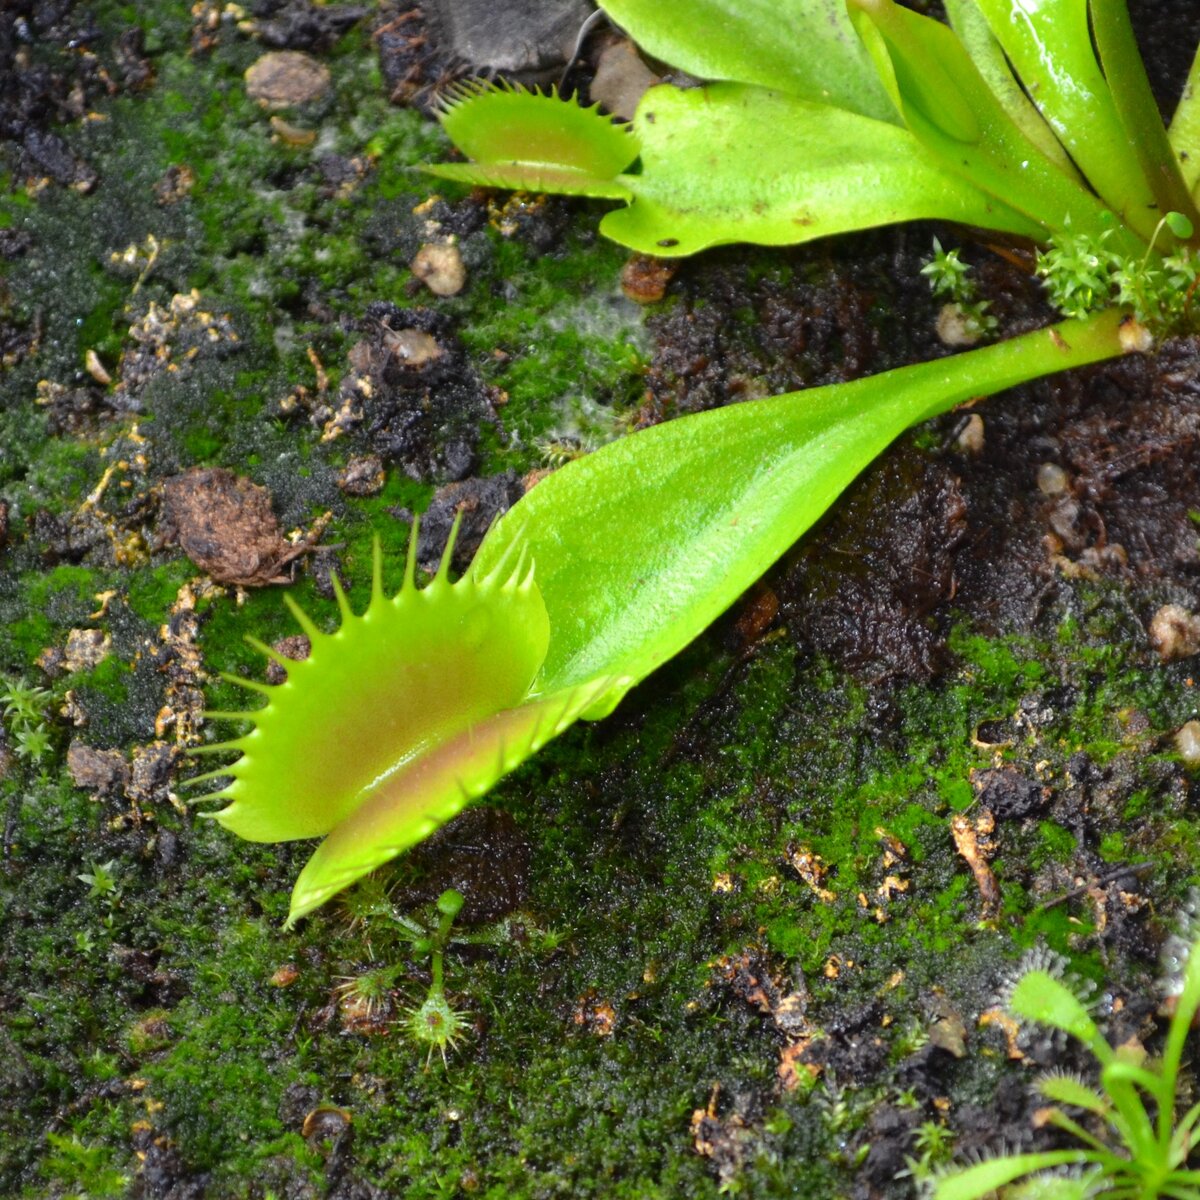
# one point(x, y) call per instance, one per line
point(1184, 131)
point(640, 545)
point(703, 183)
point(1137, 110)
point(806, 48)
point(954, 114)
point(1050, 46)
point(534, 141)
point(1039, 996)
point(986, 1177)
point(1063, 1089)
point(987, 54)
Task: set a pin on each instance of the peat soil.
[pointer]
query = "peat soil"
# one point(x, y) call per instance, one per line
point(746, 934)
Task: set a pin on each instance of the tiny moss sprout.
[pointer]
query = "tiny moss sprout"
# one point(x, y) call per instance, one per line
point(933, 1143)
point(1083, 274)
point(25, 707)
point(950, 280)
point(1135, 1145)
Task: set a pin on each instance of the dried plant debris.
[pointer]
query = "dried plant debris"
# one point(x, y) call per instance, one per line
point(102, 772)
point(225, 524)
point(163, 339)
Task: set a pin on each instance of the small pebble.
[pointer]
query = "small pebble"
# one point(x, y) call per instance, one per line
point(970, 439)
point(439, 266)
point(955, 327)
point(412, 347)
point(1174, 632)
point(1134, 337)
point(285, 79)
point(363, 476)
point(1187, 743)
point(1052, 480)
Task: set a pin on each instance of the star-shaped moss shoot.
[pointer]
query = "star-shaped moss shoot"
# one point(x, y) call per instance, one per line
point(395, 721)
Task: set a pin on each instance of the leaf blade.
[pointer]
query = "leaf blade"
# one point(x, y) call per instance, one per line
point(696, 529)
point(804, 47)
point(702, 184)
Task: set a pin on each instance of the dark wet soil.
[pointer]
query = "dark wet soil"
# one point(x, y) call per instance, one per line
point(1086, 482)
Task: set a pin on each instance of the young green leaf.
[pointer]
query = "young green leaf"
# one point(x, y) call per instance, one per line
point(805, 48)
point(1050, 45)
point(1184, 130)
point(936, 85)
point(702, 182)
point(972, 28)
point(1137, 110)
point(1039, 996)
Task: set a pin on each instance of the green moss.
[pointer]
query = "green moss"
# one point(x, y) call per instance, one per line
point(1057, 844)
point(716, 765)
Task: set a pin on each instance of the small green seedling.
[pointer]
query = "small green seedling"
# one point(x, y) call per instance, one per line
point(25, 708)
point(103, 882)
point(434, 1023)
point(1136, 1148)
point(820, 119)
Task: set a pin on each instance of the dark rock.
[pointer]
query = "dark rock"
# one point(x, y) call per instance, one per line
point(302, 25)
point(478, 502)
point(1008, 793)
point(509, 36)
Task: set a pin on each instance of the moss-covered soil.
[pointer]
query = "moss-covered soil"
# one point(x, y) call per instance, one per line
point(743, 935)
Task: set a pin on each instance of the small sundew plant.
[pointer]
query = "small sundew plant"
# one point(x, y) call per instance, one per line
point(434, 1023)
point(1136, 1146)
point(820, 117)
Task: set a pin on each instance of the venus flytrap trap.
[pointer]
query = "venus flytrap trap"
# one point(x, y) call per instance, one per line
point(821, 118)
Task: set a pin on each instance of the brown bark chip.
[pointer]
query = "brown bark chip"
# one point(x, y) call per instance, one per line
point(224, 523)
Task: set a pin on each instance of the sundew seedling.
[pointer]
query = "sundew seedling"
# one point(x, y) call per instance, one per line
point(832, 117)
point(1132, 1141)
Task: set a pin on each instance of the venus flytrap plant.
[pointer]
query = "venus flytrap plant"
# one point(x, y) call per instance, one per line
point(822, 118)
